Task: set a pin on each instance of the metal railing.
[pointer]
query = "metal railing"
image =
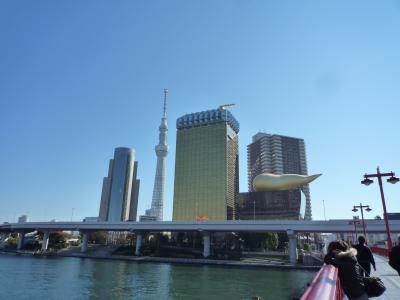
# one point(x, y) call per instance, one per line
point(325, 285)
point(380, 251)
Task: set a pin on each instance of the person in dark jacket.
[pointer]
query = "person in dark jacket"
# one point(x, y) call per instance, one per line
point(341, 256)
point(364, 255)
point(394, 257)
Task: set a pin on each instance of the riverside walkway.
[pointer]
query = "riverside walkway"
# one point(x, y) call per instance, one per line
point(390, 278)
point(106, 253)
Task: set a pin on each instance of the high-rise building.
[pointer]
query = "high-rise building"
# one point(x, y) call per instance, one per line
point(206, 166)
point(278, 154)
point(157, 203)
point(269, 205)
point(119, 197)
point(23, 219)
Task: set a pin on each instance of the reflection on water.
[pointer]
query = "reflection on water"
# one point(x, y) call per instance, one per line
point(73, 278)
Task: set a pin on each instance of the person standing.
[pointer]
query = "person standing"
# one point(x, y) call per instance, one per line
point(341, 256)
point(394, 257)
point(364, 255)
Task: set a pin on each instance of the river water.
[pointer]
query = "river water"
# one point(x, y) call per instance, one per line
point(32, 278)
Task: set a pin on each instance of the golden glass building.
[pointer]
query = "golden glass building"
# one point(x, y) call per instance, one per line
point(206, 166)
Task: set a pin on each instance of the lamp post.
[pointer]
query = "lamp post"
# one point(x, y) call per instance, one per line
point(254, 209)
point(367, 208)
point(355, 222)
point(367, 181)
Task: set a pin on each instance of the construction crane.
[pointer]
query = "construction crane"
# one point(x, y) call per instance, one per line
point(223, 106)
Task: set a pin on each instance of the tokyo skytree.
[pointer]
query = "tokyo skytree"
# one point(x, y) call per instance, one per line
point(157, 203)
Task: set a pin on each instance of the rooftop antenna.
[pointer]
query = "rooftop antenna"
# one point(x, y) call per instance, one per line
point(165, 103)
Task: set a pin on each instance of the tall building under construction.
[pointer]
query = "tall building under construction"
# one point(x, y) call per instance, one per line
point(206, 183)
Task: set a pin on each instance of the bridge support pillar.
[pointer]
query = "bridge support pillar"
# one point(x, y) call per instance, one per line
point(84, 244)
point(20, 243)
point(138, 243)
point(292, 246)
point(206, 244)
point(45, 241)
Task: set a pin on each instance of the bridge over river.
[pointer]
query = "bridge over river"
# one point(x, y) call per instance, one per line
point(291, 227)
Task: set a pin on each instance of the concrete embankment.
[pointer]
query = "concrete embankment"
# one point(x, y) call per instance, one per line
point(106, 253)
point(202, 261)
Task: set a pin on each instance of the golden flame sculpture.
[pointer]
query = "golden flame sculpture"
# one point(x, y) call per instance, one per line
point(272, 182)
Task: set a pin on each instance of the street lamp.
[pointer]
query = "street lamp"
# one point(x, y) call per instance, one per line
point(393, 180)
point(355, 222)
point(368, 209)
point(367, 181)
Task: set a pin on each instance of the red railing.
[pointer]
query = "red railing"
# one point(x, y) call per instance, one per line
point(325, 286)
point(380, 251)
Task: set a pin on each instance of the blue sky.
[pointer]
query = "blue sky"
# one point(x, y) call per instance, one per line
point(79, 78)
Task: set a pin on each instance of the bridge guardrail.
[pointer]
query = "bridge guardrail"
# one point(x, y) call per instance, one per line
point(380, 251)
point(325, 285)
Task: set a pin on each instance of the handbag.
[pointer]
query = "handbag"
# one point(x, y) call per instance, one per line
point(374, 286)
